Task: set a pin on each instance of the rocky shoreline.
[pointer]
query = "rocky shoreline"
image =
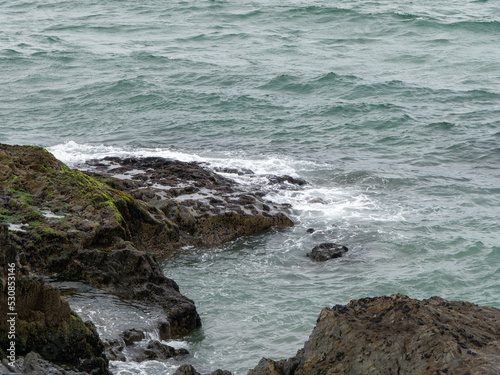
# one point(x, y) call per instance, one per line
point(63, 224)
point(106, 225)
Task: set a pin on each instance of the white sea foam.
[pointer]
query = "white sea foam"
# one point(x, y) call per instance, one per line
point(311, 203)
point(73, 153)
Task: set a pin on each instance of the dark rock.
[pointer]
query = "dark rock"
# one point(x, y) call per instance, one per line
point(239, 172)
point(269, 367)
point(286, 179)
point(326, 251)
point(103, 235)
point(131, 274)
point(398, 335)
point(220, 372)
point(190, 370)
point(223, 212)
point(311, 230)
point(103, 241)
point(34, 364)
point(45, 323)
point(157, 350)
point(164, 330)
point(116, 354)
point(186, 370)
point(132, 335)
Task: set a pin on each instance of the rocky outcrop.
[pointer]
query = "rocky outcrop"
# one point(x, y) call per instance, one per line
point(398, 335)
point(106, 230)
point(190, 370)
point(34, 364)
point(43, 322)
point(206, 208)
point(326, 251)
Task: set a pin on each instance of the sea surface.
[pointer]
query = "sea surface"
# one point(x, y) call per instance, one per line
point(389, 109)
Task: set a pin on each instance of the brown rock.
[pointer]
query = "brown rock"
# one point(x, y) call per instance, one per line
point(190, 370)
point(44, 322)
point(398, 335)
point(210, 210)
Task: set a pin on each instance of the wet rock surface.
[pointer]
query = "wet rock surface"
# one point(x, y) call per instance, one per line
point(44, 323)
point(206, 208)
point(326, 251)
point(190, 370)
point(157, 350)
point(398, 335)
point(34, 364)
point(106, 229)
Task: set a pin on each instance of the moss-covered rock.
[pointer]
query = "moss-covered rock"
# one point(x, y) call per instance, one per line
point(93, 227)
point(66, 209)
point(71, 226)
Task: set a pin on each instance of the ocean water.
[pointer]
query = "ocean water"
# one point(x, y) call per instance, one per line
point(390, 110)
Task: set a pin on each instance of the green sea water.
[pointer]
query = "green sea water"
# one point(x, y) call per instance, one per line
point(390, 110)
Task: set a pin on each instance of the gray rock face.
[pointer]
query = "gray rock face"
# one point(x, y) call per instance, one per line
point(326, 251)
point(398, 335)
point(34, 364)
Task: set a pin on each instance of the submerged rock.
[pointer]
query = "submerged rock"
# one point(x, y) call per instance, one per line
point(133, 335)
point(398, 335)
point(326, 251)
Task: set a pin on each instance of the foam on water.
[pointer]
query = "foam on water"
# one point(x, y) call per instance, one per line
point(230, 282)
point(319, 203)
point(74, 154)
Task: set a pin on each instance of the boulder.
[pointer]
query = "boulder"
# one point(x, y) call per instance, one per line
point(190, 370)
point(132, 335)
point(326, 251)
point(398, 335)
point(157, 350)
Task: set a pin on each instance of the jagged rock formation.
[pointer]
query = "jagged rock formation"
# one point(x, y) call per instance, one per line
point(68, 225)
point(398, 335)
point(76, 227)
point(44, 322)
point(206, 208)
point(326, 251)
